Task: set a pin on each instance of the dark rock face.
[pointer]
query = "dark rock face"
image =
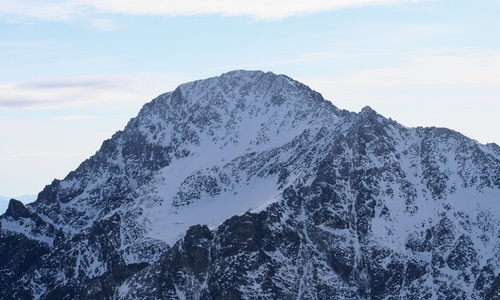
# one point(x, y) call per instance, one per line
point(252, 186)
point(17, 210)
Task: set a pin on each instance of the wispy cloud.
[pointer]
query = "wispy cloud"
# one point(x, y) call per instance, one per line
point(257, 9)
point(70, 92)
point(310, 57)
point(480, 68)
point(55, 10)
point(78, 82)
point(105, 24)
point(28, 155)
point(73, 118)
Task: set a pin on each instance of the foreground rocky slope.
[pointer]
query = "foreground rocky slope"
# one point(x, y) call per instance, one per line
point(251, 185)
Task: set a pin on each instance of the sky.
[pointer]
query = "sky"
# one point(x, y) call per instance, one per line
point(73, 72)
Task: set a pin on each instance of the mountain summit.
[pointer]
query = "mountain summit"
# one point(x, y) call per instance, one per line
point(251, 186)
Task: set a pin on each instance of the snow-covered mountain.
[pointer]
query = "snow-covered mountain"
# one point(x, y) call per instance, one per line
point(251, 186)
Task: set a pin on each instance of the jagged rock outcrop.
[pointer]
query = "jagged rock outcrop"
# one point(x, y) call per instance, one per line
point(251, 185)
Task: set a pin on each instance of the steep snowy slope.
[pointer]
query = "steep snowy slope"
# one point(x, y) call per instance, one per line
point(390, 213)
point(297, 199)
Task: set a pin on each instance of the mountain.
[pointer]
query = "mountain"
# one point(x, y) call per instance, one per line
point(4, 201)
point(250, 185)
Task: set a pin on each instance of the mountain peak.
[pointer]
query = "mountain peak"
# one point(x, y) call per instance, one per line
point(367, 110)
point(17, 210)
point(241, 83)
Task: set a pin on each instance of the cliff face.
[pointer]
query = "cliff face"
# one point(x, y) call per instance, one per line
point(251, 185)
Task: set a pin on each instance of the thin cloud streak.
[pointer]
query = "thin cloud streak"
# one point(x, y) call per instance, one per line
point(70, 92)
point(256, 9)
point(22, 156)
point(105, 25)
point(305, 58)
point(74, 118)
point(479, 69)
point(46, 10)
point(76, 82)
point(312, 57)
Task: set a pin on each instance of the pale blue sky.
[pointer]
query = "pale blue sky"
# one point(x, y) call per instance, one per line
point(74, 72)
